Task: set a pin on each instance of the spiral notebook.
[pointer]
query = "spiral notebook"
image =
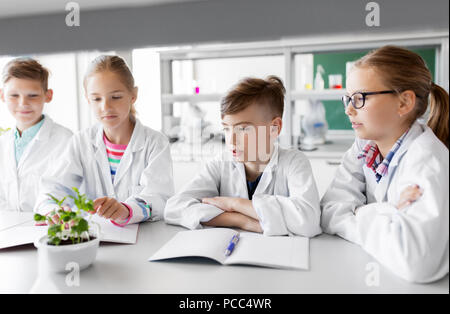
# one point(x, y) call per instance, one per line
point(252, 249)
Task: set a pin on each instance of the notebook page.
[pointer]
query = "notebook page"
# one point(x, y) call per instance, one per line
point(210, 243)
point(111, 233)
point(24, 234)
point(9, 219)
point(276, 252)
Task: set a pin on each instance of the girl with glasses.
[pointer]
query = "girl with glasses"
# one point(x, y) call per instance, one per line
point(390, 194)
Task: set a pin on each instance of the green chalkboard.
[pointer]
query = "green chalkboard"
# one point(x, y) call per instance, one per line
point(334, 63)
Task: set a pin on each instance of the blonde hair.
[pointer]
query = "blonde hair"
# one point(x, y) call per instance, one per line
point(116, 65)
point(26, 68)
point(402, 70)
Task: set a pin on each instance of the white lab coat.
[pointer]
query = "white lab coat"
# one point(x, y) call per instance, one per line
point(19, 183)
point(144, 172)
point(412, 242)
point(286, 199)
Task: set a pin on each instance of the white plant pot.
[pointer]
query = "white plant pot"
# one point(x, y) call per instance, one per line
point(54, 258)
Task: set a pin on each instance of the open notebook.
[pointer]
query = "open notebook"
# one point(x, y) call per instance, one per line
point(19, 229)
point(252, 249)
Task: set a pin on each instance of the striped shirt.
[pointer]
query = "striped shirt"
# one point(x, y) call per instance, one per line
point(372, 157)
point(115, 153)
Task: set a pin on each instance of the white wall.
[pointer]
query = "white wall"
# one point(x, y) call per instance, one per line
point(146, 72)
point(63, 108)
point(218, 76)
point(6, 120)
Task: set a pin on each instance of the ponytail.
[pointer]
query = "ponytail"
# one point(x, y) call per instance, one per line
point(439, 111)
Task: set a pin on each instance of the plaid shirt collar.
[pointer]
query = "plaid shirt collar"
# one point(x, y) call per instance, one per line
point(372, 157)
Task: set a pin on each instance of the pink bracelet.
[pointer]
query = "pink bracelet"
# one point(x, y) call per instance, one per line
point(128, 219)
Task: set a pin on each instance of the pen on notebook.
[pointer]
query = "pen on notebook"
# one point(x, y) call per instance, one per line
point(231, 245)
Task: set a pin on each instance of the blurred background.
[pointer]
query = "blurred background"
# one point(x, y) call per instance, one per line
point(186, 54)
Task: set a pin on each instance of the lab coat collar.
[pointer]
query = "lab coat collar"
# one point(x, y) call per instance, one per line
point(266, 177)
point(268, 173)
point(415, 130)
point(273, 163)
point(31, 132)
point(10, 156)
point(270, 167)
point(46, 129)
point(137, 141)
point(381, 189)
point(43, 135)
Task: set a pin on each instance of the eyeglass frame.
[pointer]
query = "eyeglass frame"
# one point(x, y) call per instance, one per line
point(364, 94)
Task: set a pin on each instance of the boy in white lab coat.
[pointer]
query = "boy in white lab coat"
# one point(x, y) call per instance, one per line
point(33, 146)
point(254, 185)
point(390, 195)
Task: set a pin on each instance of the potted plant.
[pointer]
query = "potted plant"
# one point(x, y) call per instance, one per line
point(70, 237)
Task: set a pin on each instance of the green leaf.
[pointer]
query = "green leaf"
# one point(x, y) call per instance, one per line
point(57, 201)
point(53, 230)
point(54, 240)
point(38, 217)
point(82, 226)
point(81, 201)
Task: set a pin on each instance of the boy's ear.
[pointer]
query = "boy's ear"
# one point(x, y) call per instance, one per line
point(407, 102)
point(276, 126)
point(2, 95)
point(48, 95)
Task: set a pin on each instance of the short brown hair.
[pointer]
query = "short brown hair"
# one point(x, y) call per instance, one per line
point(26, 68)
point(269, 92)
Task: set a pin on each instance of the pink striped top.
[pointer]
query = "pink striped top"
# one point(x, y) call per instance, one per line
point(115, 153)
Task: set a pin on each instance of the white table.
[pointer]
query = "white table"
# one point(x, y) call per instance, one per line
point(336, 266)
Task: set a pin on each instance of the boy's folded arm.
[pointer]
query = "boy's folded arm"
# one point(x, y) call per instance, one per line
point(189, 212)
point(227, 219)
point(245, 207)
point(299, 212)
point(186, 207)
point(282, 215)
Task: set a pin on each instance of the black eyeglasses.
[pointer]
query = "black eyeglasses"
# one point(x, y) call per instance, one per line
point(359, 99)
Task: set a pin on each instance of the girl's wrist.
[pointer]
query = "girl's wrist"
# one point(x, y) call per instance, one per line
point(127, 219)
point(127, 211)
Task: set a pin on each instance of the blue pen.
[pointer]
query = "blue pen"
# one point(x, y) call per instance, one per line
point(232, 245)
